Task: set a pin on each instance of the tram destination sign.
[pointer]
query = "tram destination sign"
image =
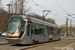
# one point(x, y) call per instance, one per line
point(15, 18)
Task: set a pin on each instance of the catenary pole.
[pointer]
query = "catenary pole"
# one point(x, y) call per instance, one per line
point(67, 26)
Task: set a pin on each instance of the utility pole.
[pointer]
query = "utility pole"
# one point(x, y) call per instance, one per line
point(70, 26)
point(1, 5)
point(67, 26)
point(45, 14)
point(9, 9)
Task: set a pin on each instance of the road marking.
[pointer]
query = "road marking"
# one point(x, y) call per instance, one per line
point(68, 46)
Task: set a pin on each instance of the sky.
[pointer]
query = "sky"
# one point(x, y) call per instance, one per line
point(57, 13)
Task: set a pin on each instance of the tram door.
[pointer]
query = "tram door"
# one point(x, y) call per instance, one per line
point(29, 37)
point(55, 34)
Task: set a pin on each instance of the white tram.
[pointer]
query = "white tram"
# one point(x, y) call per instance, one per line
point(25, 29)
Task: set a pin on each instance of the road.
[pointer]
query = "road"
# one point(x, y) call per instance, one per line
point(3, 39)
point(63, 44)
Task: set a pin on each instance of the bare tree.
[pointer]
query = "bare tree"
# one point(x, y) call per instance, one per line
point(19, 6)
point(33, 14)
point(1, 5)
point(16, 6)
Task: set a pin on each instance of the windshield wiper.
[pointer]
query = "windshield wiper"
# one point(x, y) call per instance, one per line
point(15, 30)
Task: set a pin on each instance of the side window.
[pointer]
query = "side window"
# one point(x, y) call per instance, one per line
point(59, 31)
point(33, 29)
point(50, 30)
point(54, 31)
point(41, 29)
point(23, 27)
point(29, 30)
point(45, 30)
point(37, 29)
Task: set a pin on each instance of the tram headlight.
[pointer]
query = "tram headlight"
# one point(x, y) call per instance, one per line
point(15, 37)
point(8, 36)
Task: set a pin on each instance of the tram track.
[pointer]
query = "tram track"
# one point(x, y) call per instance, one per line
point(40, 45)
point(20, 47)
point(52, 45)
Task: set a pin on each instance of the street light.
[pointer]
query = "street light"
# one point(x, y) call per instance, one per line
point(9, 9)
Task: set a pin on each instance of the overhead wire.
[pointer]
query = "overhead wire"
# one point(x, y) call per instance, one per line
point(49, 8)
point(62, 8)
point(57, 16)
point(38, 4)
point(44, 8)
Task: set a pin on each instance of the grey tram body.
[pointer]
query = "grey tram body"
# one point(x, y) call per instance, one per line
point(29, 39)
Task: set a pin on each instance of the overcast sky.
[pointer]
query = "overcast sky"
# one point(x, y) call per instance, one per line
point(57, 13)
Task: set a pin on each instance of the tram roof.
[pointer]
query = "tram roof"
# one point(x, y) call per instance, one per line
point(32, 18)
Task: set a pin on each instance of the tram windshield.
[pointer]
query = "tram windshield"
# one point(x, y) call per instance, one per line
point(14, 26)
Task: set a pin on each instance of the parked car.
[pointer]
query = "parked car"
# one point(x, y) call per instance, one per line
point(62, 34)
point(72, 34)
point(0, 33)
point(4, 34)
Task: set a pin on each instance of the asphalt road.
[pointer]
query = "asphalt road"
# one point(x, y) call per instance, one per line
point(66, 42)
point(3, 39)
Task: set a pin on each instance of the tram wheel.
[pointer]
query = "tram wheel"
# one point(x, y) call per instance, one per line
point(59, 39)
point(33, 42)
point(51, 40)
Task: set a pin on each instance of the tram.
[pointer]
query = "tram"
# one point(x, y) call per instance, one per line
point(24, 29)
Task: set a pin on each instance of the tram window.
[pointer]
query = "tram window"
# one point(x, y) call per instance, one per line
point(55, 31)
point(23, 27)
point(29, 30)
point(33, 30)
point(41, 29)
point(45, 30)
point(50, 30)
point(22, 31)
point(37, 29)
point(59, 31)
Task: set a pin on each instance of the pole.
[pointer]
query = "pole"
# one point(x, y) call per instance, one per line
point(43, 15)
point(67, 26)
point(70, 27)
point(9, 10)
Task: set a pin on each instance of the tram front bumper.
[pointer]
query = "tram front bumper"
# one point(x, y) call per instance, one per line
point(14, 40)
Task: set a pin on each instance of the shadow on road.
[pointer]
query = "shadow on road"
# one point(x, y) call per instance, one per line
point(32, 44)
